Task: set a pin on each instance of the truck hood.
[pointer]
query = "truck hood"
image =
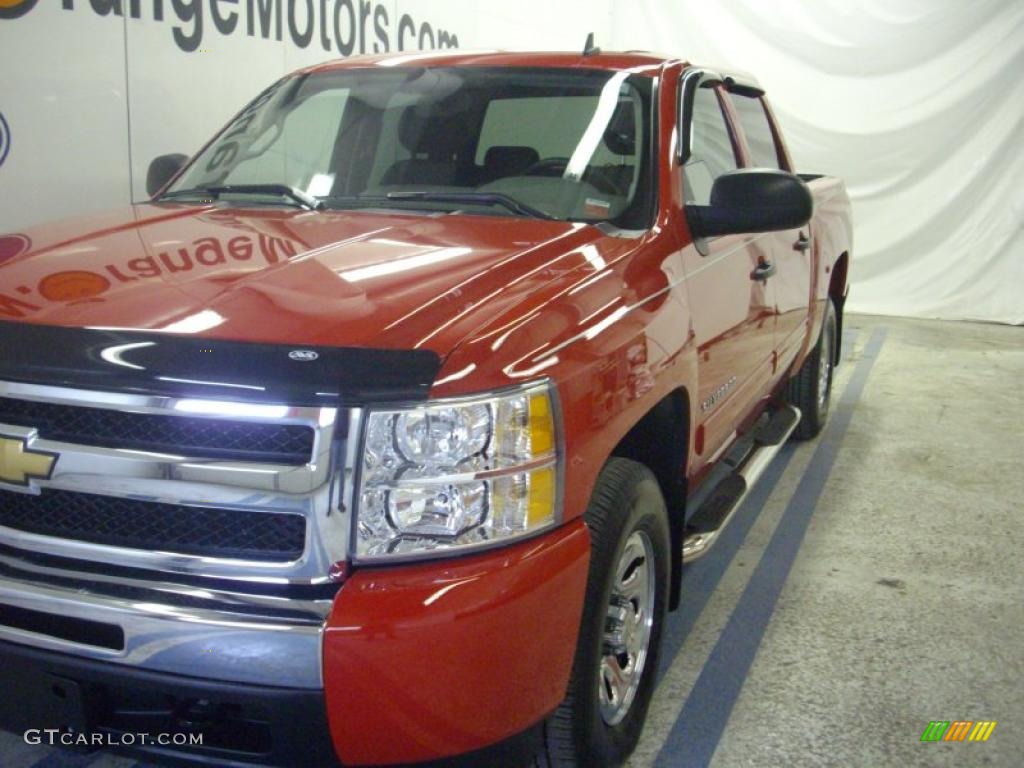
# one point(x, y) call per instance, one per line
point(381, 279)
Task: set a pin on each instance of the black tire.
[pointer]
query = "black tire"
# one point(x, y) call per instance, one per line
point(627, 507)
point(811, 389)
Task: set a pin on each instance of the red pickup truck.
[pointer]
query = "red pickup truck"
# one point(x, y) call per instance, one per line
point(381, 434)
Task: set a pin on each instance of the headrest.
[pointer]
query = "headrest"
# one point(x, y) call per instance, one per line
point(510, 161)
point(425, 132)
point(620, 135)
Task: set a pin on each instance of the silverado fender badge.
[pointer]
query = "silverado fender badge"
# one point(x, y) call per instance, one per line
point(303, 355)
point(718, 394)
point(19, 464)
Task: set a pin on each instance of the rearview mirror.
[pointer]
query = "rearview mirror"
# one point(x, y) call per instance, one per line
point(162, 170)
point(752, 200)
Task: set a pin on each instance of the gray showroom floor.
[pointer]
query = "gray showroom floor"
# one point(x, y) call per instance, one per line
point(871, 583)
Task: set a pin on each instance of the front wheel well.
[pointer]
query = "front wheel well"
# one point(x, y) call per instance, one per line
point(660, 441)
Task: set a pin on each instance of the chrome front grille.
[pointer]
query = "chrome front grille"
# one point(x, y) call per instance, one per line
point(206, 554)
point(223, 439)
point(171, 512)
point(139, 524)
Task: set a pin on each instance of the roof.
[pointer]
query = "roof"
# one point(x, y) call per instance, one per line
point(640, 61)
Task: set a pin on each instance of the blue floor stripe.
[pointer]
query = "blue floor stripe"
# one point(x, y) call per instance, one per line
point(700, 579)
point(699, 726)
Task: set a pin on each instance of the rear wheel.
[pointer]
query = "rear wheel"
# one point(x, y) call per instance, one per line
point(811, 389)
point(599, 722)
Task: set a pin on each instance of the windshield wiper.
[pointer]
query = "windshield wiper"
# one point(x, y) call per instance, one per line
point(281, 190)
point(474, 198)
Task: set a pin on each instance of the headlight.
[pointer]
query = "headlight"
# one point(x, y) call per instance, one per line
point(458, 474)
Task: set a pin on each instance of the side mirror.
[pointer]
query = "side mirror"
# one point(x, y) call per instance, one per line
point(752, 200)
point(162, 170)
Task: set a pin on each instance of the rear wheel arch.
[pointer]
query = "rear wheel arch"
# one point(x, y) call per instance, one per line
point(837, 292)
point(811, 387)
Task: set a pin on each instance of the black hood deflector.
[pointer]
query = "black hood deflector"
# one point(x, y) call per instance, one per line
point(166, 365)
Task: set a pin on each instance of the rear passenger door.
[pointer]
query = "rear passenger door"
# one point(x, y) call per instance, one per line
point(733, 313)
point(788, 250)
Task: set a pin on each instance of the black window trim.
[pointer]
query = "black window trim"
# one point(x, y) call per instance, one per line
point(700, 77)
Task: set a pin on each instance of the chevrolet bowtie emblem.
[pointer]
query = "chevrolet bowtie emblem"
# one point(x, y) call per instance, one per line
point(19, 464)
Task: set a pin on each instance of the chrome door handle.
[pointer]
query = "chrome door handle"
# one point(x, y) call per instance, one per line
point(763, 271)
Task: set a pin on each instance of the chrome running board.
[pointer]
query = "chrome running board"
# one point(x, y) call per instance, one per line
point(744, 465)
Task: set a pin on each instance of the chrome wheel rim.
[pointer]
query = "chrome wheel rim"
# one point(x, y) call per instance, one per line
point(825, 370)
point(627, 635)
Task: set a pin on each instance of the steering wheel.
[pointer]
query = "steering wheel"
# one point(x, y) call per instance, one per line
point(549, 166)
point(555, 166)
point(599, 179)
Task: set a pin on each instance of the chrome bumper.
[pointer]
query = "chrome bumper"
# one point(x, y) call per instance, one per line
point(209, 642)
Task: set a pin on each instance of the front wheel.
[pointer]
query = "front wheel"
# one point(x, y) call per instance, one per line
point(811, 389)
point(599, 722)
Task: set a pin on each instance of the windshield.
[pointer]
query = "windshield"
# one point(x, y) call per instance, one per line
point(556, 143)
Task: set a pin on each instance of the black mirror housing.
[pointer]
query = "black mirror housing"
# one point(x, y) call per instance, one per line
point(752, 200)
point(162, 170)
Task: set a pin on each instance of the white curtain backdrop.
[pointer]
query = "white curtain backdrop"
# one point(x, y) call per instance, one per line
point(918, 104)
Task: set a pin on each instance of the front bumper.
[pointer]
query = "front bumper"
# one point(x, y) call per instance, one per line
point(239, 723)
point(428, 661)
point(421, 663)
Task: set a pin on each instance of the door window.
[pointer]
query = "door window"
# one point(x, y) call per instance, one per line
point(711, 148)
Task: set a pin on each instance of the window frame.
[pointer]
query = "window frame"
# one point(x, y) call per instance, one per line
point(692, 80)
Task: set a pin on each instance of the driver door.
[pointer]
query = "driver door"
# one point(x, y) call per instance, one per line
point(732, 308)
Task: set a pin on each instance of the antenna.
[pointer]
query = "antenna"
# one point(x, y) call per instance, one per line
point(589, 49)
